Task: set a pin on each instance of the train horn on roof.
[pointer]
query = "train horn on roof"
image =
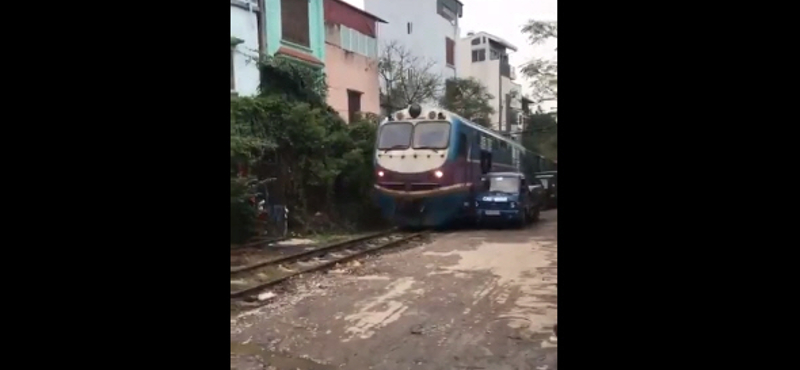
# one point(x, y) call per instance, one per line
point(414, 110)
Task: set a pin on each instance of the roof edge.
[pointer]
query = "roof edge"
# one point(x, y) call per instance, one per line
point(497, 39)
point(362, 11)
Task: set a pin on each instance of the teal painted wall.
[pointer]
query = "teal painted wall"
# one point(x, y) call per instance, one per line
point(316, 21)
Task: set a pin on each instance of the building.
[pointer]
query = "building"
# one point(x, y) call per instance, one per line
point(427, 28)
point(484, 57)
point(351, 59)
point(551, 106)
point(253, 33)
point(244, 47)
point(302, 36)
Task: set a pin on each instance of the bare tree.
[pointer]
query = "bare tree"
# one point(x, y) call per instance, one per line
point(406, 78)
point(543, 73)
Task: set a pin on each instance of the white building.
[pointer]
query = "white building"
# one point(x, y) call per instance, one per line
point(244, 47)
point(484, 57)
point(427, 28)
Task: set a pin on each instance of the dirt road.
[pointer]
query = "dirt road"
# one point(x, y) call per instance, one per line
point(476, 299)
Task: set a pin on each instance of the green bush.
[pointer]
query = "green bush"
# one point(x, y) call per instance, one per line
point(322, 165)
point(243, 215)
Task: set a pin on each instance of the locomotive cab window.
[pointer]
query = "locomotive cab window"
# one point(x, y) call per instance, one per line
point(395, 136)
point(432, 135)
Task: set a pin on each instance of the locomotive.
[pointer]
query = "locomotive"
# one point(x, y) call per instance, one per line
point(429, 162)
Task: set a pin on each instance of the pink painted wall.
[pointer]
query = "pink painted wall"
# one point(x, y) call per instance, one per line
point(346, 70)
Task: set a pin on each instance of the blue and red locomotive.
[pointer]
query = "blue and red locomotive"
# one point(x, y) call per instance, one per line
point(429, 162)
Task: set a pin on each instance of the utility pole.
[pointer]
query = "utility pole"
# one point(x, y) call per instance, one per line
point(262, 28)
point(456, 41)
point(499, 93)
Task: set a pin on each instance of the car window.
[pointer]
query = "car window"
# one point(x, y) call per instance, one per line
point(543, 181)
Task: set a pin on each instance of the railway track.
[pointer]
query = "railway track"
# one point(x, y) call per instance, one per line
point(255, 243)
point(248, 281)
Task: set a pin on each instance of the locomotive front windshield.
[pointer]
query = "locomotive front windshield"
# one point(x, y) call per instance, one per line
point(431, 135)
point(395, 135)
point(426, 135)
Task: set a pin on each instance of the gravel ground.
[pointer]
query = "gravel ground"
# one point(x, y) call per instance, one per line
point(474, 299)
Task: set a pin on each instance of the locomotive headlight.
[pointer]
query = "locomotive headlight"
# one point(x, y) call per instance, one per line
point(438, 174)
point(380, 173)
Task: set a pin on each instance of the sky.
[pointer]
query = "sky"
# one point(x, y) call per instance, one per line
point(494, 17)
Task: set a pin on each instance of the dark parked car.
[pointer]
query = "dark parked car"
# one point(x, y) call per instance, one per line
point(509, 196)
point(550, 181)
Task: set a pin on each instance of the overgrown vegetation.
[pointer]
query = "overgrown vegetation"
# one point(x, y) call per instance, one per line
point(542, 72)
point(322, 167)
point(541, 129)
point(541, 135)
point(468, 98)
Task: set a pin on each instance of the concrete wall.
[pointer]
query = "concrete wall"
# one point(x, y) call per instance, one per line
point(348, 70)
point(244, 27)
point(428, 30)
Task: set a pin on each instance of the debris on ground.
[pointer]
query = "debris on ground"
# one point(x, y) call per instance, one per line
point(293, 241)
point(266, 295)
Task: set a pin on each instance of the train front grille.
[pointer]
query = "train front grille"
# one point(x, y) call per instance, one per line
point(494, 205)
point(409, 186)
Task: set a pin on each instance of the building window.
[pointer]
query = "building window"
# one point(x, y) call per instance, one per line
point(495, 54)
point(478, 55)
point(408, 26)
point(448, 9)
point(476, 41)
point(294, 24)
point(353, 104)
point(484, 39)
point(450, 51)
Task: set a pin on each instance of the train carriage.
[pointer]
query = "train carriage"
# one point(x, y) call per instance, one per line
point(429, 161)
